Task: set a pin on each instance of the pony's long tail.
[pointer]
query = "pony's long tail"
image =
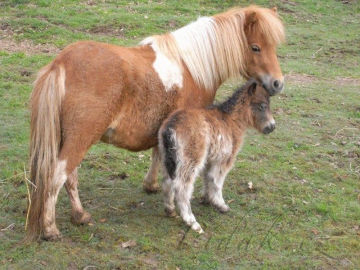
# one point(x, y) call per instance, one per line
point(45, 142)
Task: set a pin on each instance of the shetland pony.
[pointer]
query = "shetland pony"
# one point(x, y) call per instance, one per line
point(95, 91)
point(205, 141)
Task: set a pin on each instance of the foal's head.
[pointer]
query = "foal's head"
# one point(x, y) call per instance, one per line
point(258, 102)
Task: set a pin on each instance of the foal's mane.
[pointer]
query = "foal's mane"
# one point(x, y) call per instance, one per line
point(215, 48)
point(228, 105)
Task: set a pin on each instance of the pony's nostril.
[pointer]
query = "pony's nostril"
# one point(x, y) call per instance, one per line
point(276, 84)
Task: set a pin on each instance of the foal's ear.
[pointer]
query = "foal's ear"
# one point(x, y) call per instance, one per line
point(252, 89)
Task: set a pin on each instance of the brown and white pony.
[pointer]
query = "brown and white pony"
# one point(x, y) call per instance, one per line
point(95, 91)
point(205, 141)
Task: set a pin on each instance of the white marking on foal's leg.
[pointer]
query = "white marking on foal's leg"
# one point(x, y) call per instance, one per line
point(59, 178)
point(215, 179)
point(183, 192)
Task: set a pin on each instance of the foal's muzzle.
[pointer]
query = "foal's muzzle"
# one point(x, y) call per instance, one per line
point(269, 128)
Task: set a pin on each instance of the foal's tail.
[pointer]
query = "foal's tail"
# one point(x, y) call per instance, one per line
point(169, 149)
point(45, 141)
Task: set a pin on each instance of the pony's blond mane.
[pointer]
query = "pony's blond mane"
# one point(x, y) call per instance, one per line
point(215, 48)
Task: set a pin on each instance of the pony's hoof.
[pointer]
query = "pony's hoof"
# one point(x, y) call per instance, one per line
point(170, 212)
point(52, 235)
point(151, 188)
point(80, 218)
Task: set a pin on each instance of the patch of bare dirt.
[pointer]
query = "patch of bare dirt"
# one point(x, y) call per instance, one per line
point(8, 44)
point(117, 31)
point(303, 79)
point(292, 3)
point(285, 9)
point(300, 78)
point(347, 1)
point(347, 81)
point(27, 46)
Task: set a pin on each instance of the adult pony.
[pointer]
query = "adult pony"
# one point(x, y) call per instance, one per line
point(95, 91)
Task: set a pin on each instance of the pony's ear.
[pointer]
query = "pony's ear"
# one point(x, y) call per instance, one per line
point(252, 88)
point(274, 9)
point(251, 18)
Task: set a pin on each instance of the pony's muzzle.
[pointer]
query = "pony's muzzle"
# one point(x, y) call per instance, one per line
point(272, 85)
point(277, 86)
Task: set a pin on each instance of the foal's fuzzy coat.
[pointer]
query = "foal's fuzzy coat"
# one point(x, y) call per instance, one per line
point(206, 141)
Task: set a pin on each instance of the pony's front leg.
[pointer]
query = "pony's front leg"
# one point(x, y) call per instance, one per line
point(78, 215)
point(151, 179)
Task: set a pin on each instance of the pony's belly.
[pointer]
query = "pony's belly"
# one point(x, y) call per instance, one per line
point(135, 138)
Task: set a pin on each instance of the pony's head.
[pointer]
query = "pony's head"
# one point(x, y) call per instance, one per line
point(264, 31)
point(238, 42)
point(248, 38)
point(259, 108)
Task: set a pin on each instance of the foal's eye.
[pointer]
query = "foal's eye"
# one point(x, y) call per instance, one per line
point(255, 48)
point(262, 107)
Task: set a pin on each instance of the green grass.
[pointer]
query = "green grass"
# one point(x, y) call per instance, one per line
point(304, 211)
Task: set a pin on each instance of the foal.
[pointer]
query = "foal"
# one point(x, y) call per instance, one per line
point(206, 141)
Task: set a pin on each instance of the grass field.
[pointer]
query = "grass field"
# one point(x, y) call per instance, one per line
point(304, 209)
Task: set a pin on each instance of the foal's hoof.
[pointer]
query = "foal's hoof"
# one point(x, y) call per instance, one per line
point(170, 212)
point(53, 235)
point(204, 200)
point(148, 188)
point(80, 218)
point(223, 208)
point(197, 228)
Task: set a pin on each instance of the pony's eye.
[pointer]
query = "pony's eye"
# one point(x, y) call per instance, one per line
point(255, 48)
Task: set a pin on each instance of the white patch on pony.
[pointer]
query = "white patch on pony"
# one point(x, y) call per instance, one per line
point(196, 42)
point(59, 175)
point(169, 72)
point(57, 182)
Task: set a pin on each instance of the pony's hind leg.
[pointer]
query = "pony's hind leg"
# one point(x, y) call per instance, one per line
point(214, 179)
point(50, 230)
point(183, 190)
point(78, 215)
point(71, 154)
point(151, 179)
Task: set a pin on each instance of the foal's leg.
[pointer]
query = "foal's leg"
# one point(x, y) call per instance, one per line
point(78, 214)
point(169, 196)
point(214, 179)
point(183, 190)
point(151, 182)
